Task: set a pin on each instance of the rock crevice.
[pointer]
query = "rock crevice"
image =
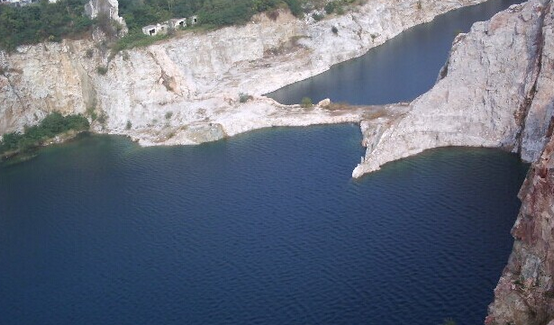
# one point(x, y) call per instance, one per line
point(198, 77)
point(496, 90)
point(486, 96)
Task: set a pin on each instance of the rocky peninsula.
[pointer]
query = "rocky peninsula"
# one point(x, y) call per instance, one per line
point(186, 90)
point(496, 90)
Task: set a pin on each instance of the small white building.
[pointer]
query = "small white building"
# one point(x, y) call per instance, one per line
point(150, 30)
point(162, 28)
point(158, 29)
point(177, 23)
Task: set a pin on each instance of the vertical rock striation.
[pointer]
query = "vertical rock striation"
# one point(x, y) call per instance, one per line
point(196, 78)
point(525, 293)
point(485, 96)
point(496, 90)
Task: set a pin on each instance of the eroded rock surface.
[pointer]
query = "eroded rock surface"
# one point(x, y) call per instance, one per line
point(495, 91)
point(194, 81)
point(525, 293)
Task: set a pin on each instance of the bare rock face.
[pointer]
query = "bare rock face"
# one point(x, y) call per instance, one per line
point(541, 110)
point(497, 90)
point(525, 293)
point(196, 78)
point(485, 95)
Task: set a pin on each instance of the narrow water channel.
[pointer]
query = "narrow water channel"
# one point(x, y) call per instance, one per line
point(399, 70)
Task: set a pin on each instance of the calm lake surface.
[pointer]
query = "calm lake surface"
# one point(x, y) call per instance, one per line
point(264, 228)
point(399, 70)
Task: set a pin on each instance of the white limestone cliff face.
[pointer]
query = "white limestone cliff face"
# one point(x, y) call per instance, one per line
point(495, 91)
point(196, 78)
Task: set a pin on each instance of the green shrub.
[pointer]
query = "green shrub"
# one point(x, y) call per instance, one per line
point(243, 98)
point(168, 115)
point(41, 21)
point(330, 7)
point(317, 17)
point(135, 39)
point(102, 118)
point(102, 70)
point(128, 126)
point(91, 111)
point(335, 30)
point(51, 126)
point(306, 102)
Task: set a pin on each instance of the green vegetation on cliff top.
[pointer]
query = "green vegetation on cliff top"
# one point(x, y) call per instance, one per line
point(44, 21)
point(217, 12)
point(41, 22)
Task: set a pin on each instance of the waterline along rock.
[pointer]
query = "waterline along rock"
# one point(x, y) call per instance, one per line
point(197, 78)
point(492, 92)
point(496, 90)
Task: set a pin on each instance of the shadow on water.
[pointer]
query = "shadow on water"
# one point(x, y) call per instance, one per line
point(399, 70)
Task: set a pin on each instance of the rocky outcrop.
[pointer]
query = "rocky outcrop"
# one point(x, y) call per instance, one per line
point(158, 94)
point(495, 91)
point(525, 293)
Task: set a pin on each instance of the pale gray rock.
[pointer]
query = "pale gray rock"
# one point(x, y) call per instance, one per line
point(198, 76)
point(541, 110)
point(483, 96)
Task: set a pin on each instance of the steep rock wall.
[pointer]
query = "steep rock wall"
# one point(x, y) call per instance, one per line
point(496, 90)
point(525, 293)
point(485, 96)
point(196, 78)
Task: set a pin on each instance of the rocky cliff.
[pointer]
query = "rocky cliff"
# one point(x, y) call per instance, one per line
point(525, 293)
point(186, 90)
point(496, 90)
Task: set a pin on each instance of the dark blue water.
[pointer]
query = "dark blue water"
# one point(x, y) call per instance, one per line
point(399, 70)
point(264, 228)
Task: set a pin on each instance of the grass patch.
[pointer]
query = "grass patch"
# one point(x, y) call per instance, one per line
point(52, 125)
point(136, 40)
point(306, 102)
